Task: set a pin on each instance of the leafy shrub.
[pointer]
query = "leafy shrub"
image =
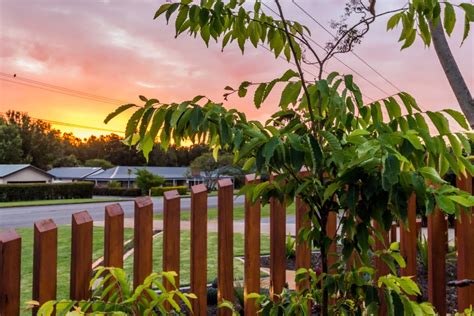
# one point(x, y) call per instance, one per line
point(112, 294)
point(158, 191)
point(114, 184)
point(45, 191)
point(146, 180)
point(117, 191)
point(104, 164)
point(290, 247)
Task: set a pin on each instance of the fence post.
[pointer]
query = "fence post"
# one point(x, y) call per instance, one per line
point(45, 256)
point(408, 237)
point(252, 251)
point(277, 247)
point(303, 249)
point(113, 239)
point(437, 243)
point(81, 255)
point(171, 232)
point(199, 248)
point(465, 246)
point(225, 222)
point(142, 240)
point(10, 261)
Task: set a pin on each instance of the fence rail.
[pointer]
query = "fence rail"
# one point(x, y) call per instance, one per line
point(45, 249)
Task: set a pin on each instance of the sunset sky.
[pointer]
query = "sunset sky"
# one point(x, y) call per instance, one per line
point(116, 50)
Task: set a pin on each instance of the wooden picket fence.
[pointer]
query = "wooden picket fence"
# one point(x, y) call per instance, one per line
point(45, 250)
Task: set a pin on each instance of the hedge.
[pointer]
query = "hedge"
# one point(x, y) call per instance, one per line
point(45, 191)
point(117, 191)
point(158, 191)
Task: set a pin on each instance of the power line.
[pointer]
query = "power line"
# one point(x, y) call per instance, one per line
point(339, 60)
point(56, 87)
point(72, 125)
point(43, 87)
point(352, 52)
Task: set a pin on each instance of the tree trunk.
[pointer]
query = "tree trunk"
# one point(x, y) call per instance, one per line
point(451, 69)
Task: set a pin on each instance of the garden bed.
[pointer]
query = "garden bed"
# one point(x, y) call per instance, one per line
point(422, 277)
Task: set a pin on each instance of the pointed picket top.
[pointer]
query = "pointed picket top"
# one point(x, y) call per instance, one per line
point(226, 182)
point(113, 209)
point(198, 188)
point(45, 225)
point(143, 201)
point(170, 195)
point(81, 217)
point(8, 235)
point(249, 178)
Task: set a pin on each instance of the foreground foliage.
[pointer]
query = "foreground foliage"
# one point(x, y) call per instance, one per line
point(324, 144)
point(113, 294)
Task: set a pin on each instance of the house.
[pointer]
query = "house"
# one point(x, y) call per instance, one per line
point(23, 173)
point(71, 174)
point(127, 175)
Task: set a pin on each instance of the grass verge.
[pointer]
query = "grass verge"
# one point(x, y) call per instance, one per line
point(59, 202)
point(239, 213)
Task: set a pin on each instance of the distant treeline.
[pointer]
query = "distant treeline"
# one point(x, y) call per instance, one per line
point(27, 140)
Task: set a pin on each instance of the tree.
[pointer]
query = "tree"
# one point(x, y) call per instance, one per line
point(67, 161)
point(102, 163)
point(146, 180)
point(325, 144)
point(40, 144)
point(213, 169)
point(10, 144)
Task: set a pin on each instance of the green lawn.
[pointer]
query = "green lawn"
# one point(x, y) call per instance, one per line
point(64, 257)
point(211, 256)
point(56, 202)
point(238, 213)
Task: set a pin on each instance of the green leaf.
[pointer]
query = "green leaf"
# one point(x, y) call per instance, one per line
point(330, 189)
point(269, 148)
point(469, 9)
point(467, 28)
point(390, 172)
point(170, 11)
point(410, 38)
point(290, 94)
point(394, 20)
point(133, 122)
point(431, 174)
point(258, 96)
point(243, 89)
point(449, 18)
point(161, 10)
point(182, 15)
point(446, 204)
point(458, 117)
point(117, 111)
point(290, 73)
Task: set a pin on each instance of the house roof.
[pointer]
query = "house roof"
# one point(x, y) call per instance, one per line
point(73, 172)
point(125, 173)
point(6, 170)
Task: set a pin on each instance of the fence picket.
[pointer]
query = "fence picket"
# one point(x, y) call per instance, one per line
point(437, 244)
point(171, 232)
point(45, 257)
point(81, 255)
point(10, 263)
point(225, 221)
point(142, 240)
point(113, 236)
point(465, 246)
point(199, 248)
point(408, 237)
point(303, 249)
point(252, 251)
point(277, 247)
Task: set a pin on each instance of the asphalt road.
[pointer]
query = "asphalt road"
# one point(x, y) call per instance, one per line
point(13, 217)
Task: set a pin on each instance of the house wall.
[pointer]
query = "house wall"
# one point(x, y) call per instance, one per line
point(26, 175)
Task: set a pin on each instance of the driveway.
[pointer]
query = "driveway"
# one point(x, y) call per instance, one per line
point(13, 217)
